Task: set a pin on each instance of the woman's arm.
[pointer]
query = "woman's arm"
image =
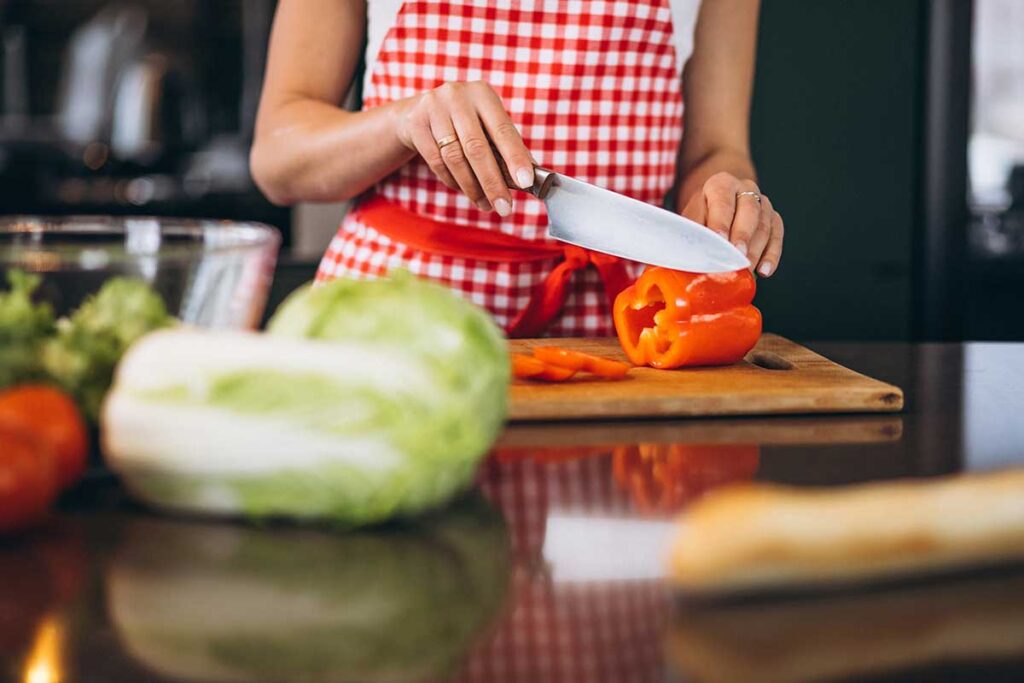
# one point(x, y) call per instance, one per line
point(307, 148)
point(714, 162)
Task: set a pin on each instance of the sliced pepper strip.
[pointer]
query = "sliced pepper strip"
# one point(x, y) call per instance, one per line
point(530, 367)
point(578, 360)
point(526, 366)
point(553, 373)
point(669, 319)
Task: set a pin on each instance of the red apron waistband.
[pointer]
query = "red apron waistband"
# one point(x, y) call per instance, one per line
point(547, 298)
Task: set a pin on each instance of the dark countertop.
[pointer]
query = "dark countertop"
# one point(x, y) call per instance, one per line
point(532, 578)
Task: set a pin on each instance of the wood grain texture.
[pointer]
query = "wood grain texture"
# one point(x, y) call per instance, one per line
point(777, 377)
point(823, 430)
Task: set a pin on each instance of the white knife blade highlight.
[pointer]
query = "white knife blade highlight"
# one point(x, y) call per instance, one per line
point(601, 220)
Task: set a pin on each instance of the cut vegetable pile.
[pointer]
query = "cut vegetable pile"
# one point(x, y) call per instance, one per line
point(363, 401)
point(555, 364)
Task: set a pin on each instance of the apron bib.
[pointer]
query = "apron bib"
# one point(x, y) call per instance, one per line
point(595, 92)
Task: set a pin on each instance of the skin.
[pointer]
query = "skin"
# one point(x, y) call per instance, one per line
point(307, 148)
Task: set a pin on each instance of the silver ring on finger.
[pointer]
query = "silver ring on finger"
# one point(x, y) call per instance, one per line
point(447, 140)
point(749, 193)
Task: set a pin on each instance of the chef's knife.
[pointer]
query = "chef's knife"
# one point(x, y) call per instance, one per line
point(601, 220)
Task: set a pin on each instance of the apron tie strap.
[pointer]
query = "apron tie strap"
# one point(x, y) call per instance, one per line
point(548, 296)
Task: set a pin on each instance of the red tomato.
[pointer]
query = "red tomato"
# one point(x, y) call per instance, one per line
point(28, 479)
point(53, 417)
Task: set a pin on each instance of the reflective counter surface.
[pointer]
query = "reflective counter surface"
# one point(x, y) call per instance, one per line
point(539, 574)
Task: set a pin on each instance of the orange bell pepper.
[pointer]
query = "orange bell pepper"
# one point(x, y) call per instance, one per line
point(668, 319)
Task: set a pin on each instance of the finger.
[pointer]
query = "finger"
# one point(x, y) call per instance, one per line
point(456, 162)
point(696, 208)
point(505, 136)
point(477, 149)
point(773, 252)
point(747, 217)
point(759, 240)
point(720, 196)
point(423, 140)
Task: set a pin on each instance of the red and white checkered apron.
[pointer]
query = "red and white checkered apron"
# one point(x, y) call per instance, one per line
point(596, 93)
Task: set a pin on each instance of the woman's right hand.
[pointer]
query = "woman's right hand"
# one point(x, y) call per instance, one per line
point(474, 114)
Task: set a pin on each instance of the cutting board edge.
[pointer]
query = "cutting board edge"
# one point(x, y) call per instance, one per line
point(631, 412)
point(879, 397)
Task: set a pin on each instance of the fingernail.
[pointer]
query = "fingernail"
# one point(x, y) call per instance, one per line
point(765, 269)
point(525, 177)
point(742, 246)
point(483, 205)
point(503, 207)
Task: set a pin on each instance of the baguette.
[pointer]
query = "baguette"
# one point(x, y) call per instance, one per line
point(763, 537)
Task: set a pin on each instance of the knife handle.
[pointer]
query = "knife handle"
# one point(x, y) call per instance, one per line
point(543, 178)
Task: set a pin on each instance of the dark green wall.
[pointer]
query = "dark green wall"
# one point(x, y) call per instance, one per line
point(836, 131)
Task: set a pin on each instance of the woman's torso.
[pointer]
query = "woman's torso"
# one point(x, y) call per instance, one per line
point(595, 88)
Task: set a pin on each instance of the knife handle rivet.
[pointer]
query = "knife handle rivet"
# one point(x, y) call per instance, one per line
point(545, 180)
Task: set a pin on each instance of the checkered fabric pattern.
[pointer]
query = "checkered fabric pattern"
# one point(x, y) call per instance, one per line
point(566, 632)
point(595, 91)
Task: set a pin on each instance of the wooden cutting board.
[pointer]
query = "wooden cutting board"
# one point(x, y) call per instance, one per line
point(777, 376)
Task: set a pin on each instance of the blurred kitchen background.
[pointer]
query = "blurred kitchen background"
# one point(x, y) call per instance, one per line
point(889, 134)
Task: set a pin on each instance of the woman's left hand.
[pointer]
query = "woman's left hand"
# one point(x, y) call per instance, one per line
point(738, 211)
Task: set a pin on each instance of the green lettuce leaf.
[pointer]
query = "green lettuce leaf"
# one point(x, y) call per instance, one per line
point(88, 344)
point(24, 325)
point(458, 341)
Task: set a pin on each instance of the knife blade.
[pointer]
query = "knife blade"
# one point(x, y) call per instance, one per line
point(601, 220)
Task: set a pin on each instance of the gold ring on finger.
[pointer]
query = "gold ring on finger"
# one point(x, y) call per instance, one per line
point(447, 140)
point(750, 193)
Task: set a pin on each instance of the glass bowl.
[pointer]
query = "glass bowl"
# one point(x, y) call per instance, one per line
point(210, 273)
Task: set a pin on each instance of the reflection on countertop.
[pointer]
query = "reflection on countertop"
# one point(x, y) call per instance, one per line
point(849, 636)
point(215, 601)
point(540, 575)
